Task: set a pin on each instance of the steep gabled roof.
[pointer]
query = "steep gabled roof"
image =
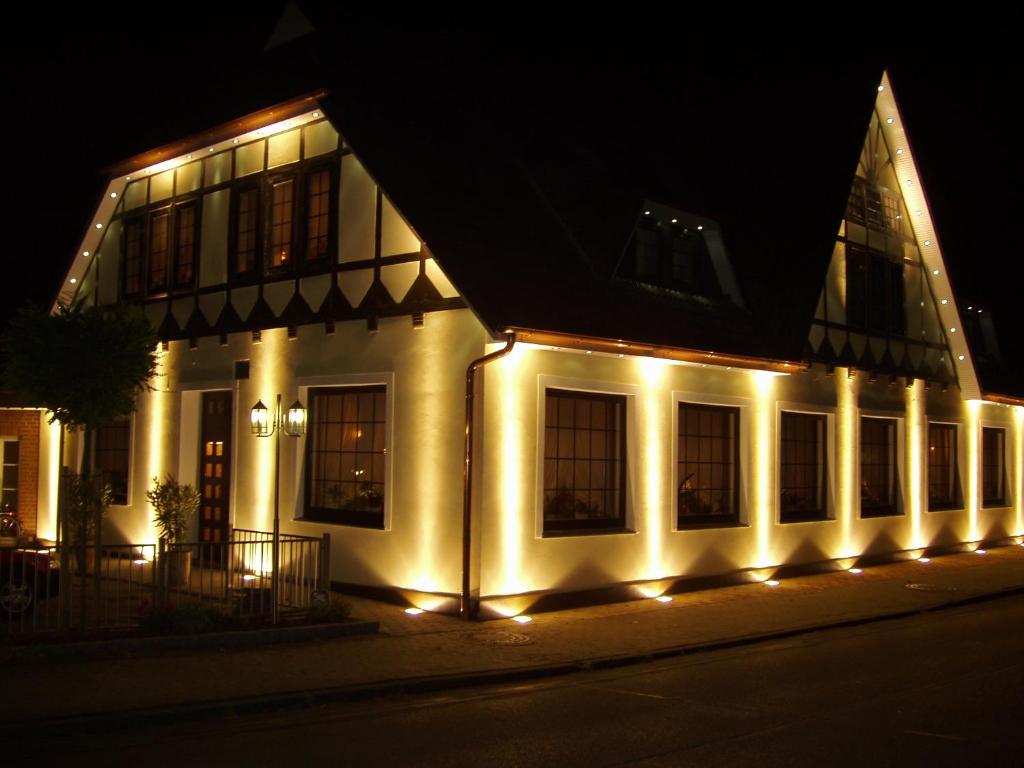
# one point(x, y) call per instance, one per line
point(526, 178)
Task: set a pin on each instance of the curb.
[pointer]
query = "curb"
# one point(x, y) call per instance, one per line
point(304, 699)
point(232, 639)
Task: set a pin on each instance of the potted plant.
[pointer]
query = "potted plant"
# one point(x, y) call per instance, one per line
point(174, 506)
point(88, 499)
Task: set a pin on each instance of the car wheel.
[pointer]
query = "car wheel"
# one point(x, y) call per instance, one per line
point(16, 597)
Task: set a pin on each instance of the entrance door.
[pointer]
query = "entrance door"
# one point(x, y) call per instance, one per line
point(215, 470)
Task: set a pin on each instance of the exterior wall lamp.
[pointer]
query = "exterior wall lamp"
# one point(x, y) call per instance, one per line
point(292, 423)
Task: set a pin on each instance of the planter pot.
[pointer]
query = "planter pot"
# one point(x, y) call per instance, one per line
point(179, 567)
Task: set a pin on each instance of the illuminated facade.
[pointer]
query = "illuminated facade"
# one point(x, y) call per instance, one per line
point(271, 258)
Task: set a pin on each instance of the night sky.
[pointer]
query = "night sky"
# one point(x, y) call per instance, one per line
point(79, 90)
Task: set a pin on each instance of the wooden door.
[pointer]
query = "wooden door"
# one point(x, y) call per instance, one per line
point(215, 470)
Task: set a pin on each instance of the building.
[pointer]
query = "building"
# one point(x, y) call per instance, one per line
point(670, 383)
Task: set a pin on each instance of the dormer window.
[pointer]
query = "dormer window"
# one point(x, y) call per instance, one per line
point(670, 256)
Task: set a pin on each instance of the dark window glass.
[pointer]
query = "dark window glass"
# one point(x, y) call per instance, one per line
point(318, 214)
point(133, 240)
point(879, 485)
point(282, 204)
point(9, 476)
point(159, 247)
point(246, 230)
point(993, 468)
point(584, 461)
point(874, 209)
point(943, 475)
point(803, 467)
point(672, 256)
point(708, 465)
point(346, 450)
point(185, 248)
point(874, 291)
point(855, 203)
point(111, 455)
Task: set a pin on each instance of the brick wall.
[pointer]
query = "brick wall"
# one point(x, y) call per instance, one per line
point(24, 425)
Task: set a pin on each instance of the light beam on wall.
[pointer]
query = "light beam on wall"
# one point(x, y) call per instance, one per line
point(914, 402)
point(763, 435)
point(973, 460)
point(652, 374)
point(511, 481)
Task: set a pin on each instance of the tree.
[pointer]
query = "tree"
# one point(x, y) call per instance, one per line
point(86, 365)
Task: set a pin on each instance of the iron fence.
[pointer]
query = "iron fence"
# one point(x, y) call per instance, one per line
point(110, 587)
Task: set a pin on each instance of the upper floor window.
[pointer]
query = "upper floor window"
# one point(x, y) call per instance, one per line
point(318, 214)
point(874, 291)
point(186, 244)
point(9, 475)
point(134, 232)
point(346, 456)
point(943, 474)
point(282, 222)
point(873, 207)
point(159, 251)
point(584, 461)
point(246, 229)
point(112, 455)
point(879, 484)
point(708, 465)
point(993, 467)
point(803, 467)
point(671, 256)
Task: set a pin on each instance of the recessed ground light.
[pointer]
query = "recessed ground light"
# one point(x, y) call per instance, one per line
point(140, 561)
point(663, 599)
point(771, 583)
point(855, 571)
point(924, 560)
point(522, 619)
point(248, 577)
point(414, 611)
point(981, 551)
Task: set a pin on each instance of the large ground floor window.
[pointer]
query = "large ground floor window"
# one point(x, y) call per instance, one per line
point(346, 451)
point(803, 467)
point(584, 461)
point(879, 483)
point(993, 467)
point(943, 475)
point(111, 457)
point(708, 465)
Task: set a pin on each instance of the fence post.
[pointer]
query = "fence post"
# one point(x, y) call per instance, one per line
point(98, 483)
point(161, 572)
point(64, 580)
point(325, 562)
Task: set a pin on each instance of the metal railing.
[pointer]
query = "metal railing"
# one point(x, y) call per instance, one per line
point(110, 587)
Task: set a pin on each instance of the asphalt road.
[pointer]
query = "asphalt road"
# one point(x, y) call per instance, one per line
point(944, 688)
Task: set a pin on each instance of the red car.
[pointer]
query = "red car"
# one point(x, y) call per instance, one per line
point(26, 575)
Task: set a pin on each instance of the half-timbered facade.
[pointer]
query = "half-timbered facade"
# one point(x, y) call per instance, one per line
point(634, 421)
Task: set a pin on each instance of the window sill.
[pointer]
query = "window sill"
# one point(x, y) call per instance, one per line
point(997, 506)
point(588, 532)
point(866, 515)
point(947, 509)
point(375, 523)
point(808, 519)
point(710, 525)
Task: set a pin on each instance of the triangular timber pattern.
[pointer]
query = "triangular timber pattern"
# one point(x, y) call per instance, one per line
point(884, 308)
point(372, 264)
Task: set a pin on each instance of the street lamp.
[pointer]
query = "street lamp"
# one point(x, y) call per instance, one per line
point(293, 424)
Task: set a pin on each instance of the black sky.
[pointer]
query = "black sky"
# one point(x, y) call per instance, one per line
point(81, 87)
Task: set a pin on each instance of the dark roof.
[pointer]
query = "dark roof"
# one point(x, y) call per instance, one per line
point(524, 164)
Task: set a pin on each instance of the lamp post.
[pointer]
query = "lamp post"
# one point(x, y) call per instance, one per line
point(293, 424)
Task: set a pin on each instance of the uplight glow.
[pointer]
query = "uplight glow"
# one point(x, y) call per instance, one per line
point(762, 437)
point(914, 404)
point(973, 461)
point(521, 619)
point(651, 372)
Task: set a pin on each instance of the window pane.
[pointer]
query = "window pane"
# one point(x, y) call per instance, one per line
point(318, 210)
point(878, 467)
point(185, 246)
point(802, 467)
point(943, 475)
point(281, 214)
point(111, 457)
point(159, 236)
point(246, 230)
point(345, 465)
point(708, 466)
point(993, 481)
point(584, 476)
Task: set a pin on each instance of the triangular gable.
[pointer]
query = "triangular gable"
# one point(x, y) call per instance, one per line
point(889, 231)
point(135, 185)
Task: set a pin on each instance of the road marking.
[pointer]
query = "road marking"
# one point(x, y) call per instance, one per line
point(944, 736)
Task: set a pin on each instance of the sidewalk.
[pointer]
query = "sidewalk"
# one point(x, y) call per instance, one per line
point(429, 652)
